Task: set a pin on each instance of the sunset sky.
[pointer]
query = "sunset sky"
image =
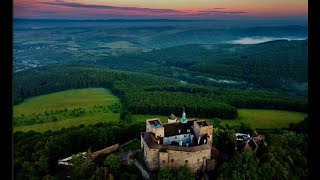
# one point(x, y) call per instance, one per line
point(164, 9)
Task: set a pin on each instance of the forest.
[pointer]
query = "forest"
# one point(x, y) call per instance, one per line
point(141, 93)
point(283, 156)
point(279, 64)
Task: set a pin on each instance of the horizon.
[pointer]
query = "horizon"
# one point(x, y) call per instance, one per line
point(265, 22)
point(290, 10)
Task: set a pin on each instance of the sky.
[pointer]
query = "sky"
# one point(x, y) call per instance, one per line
point(161, 9)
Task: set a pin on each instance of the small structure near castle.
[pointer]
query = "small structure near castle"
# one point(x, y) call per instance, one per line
point(178, 143)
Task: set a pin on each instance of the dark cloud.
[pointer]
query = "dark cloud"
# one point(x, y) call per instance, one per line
point(219, 8)
point(80, 5)
point(221, 12)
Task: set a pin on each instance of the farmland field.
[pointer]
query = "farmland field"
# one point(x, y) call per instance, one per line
point(262, 118)
point(85, 98)
point(95, 101)
point(64, 109)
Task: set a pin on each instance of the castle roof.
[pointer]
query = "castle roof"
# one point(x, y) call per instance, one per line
point(149, 138)
point(173, 128)
point(172, 117)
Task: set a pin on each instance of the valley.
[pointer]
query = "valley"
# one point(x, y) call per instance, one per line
point(84, 85)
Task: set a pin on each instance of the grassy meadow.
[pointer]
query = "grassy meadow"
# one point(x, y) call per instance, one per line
point(265, 118)
point(85, 98)
point(61, 109)
point(93, 101)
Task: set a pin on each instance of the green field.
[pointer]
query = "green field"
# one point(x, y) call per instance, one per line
point(90, 98)
point(261, 118)
point(257, 118)
point(87, 99)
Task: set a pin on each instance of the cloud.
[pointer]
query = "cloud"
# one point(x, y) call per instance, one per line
point(257, 40)
point(214, 11)
point(80, 5)
point(220, 12)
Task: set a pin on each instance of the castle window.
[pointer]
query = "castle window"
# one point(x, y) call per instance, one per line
point(163, 161)
point(175, 137)
point(186, 161)
point(184, 135)
point(172, 160)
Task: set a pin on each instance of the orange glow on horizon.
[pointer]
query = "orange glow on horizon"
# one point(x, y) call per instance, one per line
point(163, 8)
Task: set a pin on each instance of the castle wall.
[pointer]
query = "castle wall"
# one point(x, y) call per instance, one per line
point(185, 138)
point(163, 160)
point(172, 120)
point(156, 160)
point(209, 131)
point(211, 164)
point(200, 131)
point(193, 160)
point(157, 131)
point(106, 150)
point(196, 129)
point(151, 157)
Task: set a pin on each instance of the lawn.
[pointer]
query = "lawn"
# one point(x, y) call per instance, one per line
point(87, 99)
point(266, 119)
point(257, 118)
point(55, 126)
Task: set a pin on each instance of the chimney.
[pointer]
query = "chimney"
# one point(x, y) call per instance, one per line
point(199, 140)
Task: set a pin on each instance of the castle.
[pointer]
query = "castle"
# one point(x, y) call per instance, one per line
point(178, 143)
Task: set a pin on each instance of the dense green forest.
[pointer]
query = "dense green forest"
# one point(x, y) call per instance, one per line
point(279, 64)
point(149, 94)
point(36, 154)
point(283, 156)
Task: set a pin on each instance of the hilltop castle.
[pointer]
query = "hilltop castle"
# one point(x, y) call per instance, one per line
point(178, 143)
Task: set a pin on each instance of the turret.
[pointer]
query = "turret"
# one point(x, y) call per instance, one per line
point(172, 119)
point(184, 118)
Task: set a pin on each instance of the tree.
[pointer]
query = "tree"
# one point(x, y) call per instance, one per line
point(113, 163)
point(101, 173)
point(82, 167)
point(245, 128)
point(184, 173)
point(242, 166)
point(125, 115)
point(166, 174)
point(225, 141)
